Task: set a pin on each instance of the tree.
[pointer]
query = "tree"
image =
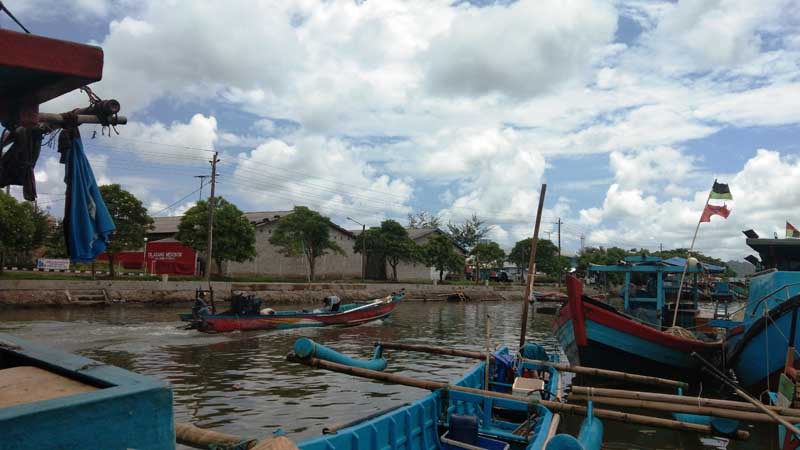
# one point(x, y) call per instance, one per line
point(17, 227)
point(234, 237)
point(424, 219)
point(130, 218)
point(391, 243)
point(489, 254)
point(469, 233)
point(440, 253)
point(305, 232)
point(547, 259)
point(56, 244)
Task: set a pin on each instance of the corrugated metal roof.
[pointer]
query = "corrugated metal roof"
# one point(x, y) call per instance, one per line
point(163, 225)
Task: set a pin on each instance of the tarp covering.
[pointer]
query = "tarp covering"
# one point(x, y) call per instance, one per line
point(680, 262)
point(87, 223)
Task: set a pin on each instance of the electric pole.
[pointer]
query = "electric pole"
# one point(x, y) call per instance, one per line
point(583, 242)
point(202, 179)
point(209, 255)
point(559, 251)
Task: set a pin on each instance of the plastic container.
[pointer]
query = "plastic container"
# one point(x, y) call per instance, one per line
point(529, 388)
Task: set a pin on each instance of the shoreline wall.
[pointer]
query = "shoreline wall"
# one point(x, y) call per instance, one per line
point(25, 293)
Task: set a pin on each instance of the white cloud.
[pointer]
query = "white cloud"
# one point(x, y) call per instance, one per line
point(518, 50)
point(176, 143)
point(766, 191)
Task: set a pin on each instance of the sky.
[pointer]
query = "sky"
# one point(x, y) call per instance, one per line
point(374, 109)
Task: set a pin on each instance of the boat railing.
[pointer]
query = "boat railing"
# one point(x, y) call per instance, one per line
point(765, 297)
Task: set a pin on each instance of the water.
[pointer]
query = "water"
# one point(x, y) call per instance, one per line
point(239, 383)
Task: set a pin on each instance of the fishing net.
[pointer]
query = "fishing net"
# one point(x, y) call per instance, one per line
point(680, 332)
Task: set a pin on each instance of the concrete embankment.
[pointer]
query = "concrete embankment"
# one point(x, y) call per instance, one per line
point(98, 292)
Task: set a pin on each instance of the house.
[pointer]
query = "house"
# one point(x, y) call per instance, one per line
point(271, 263)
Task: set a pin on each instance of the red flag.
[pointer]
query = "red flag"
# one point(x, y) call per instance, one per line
point(714, 210)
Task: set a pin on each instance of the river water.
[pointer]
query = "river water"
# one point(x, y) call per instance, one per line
point(240, 383)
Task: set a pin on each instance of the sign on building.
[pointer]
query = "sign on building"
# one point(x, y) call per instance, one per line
point(52, 264)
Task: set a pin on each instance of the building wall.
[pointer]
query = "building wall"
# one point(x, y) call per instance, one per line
point(269, 262)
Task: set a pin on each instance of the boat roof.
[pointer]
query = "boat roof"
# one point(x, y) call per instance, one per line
point(782, 254)
point(644, 263)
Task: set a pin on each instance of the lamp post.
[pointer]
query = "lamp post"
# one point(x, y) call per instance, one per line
point(144, 257)
point(363, 248)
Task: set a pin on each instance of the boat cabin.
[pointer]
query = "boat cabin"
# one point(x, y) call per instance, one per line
point(779, 254)
point(651, 281)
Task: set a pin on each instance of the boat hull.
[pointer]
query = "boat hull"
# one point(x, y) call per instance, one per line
point(351, 317)
point(596, 335)
point(759, 355)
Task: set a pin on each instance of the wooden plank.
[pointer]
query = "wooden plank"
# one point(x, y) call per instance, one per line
point(28, 384)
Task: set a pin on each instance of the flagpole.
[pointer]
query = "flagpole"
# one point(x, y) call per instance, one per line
point(689, 255)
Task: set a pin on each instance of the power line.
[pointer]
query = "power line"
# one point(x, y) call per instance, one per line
point(178, 201)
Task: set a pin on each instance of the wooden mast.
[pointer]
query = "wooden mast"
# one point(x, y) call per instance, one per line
point(531, 268)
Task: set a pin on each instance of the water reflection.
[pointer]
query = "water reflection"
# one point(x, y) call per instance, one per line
point(240, 383)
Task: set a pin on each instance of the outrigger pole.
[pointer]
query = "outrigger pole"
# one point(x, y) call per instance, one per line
point(531, 268)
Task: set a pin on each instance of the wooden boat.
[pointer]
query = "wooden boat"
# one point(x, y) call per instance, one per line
point(247, 316)
point(52, 399)
point(757, 343)
point(457, 419)
point(594, 334)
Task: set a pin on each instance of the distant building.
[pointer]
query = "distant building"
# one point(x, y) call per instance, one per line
point(270, 263)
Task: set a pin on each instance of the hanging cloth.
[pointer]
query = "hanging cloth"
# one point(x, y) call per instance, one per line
point(87, 223)
point(17, 164)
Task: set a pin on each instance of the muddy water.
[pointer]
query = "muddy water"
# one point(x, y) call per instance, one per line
point(239, 383)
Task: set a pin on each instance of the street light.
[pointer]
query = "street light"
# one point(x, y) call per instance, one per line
point(363, 248)
point(144, 257)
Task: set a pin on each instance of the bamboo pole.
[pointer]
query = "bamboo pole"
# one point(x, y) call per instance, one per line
point(188, 434)
point(531, 268)
point(612, 374)
point(721, 376)
point(686, 400)
point(678, 408)
point(551, 405)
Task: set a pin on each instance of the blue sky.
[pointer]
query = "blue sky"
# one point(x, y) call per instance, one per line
point(628, 110)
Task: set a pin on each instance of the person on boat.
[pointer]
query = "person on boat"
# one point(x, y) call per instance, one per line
point(200, 307)
point(332, 303)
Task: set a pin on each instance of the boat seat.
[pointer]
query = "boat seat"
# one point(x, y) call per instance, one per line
point(28, 384)
point(464, 429)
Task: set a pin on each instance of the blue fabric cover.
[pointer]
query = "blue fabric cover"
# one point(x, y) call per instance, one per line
point(88, 222)
point(503, 363)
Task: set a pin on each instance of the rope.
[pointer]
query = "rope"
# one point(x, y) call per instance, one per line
point(4, 9)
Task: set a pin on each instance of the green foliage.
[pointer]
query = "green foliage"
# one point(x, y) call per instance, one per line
point(55, 244)
point(440, 254)
point(489, 254)
point(17, 227)
point(130, 218)
point(305, 232)
point(547, 259)
point(234, 237)
point(424, 219)
point(467, 234)
point(391, 243)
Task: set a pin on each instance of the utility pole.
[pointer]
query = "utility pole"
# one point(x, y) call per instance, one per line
point(202, 179)
point(559, 251)
point(660, 247)
point(583, 242)
point(363, 249)
point(209, 244)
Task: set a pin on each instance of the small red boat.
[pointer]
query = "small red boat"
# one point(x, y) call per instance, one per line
point(249, 317)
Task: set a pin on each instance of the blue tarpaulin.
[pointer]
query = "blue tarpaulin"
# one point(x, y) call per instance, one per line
point(87, 223)
point(680, 262)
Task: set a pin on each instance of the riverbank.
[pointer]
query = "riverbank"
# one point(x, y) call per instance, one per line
point(30, 293)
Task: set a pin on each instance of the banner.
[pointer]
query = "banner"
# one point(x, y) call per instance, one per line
point(52, 264)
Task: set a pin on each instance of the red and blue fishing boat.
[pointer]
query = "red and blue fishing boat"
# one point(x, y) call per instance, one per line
point(246, 314)
point(595, 334)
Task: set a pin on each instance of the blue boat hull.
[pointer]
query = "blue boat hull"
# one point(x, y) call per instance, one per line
point(759, 354)
point(418, 426)
point(124, 409)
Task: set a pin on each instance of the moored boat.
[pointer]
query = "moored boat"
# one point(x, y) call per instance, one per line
point(247, 315)
point(595, 334)
point(757, 344)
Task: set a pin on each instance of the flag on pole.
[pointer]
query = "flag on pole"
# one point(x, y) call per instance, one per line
point(720, 191)
point(791, 231)
point(714, 210)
